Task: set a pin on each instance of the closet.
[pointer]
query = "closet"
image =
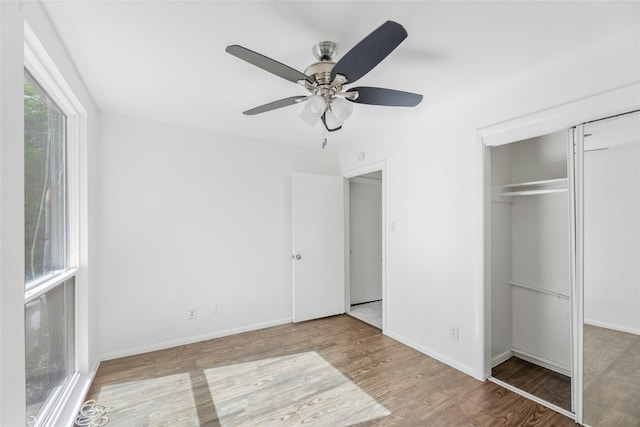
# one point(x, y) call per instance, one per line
point(531, 267)
point(562, 266)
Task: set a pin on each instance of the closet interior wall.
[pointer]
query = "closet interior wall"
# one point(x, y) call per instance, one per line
point(530, 253)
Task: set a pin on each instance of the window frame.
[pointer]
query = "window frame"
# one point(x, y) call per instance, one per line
point(43, 69)
point(33, 284)
point(63, 97)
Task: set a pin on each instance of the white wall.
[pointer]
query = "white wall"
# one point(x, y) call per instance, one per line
point(12, 376)
point(433, 164)
point(12, 366)
point(190, 219)
point(365, 238)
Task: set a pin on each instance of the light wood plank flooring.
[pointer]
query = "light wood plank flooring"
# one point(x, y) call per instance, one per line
point(209, 383)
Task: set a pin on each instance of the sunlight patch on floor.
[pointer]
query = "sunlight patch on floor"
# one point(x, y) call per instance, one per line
point(290, 390)
point(150, 402)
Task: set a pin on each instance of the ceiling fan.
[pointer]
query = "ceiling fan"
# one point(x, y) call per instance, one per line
point(329, 101)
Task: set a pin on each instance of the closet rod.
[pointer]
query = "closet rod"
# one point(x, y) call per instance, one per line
point(531, 192)
point(536, 183)
point(543, 291)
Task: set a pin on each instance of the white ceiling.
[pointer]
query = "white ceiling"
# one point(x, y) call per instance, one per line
point(166, 60)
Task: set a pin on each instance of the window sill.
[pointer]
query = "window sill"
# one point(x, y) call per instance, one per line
point(71, 402)
point(44, 284)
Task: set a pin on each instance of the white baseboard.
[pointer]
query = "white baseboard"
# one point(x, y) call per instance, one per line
point(502, 357)
point(436, 355)
point(612, 326)
point(193, 339)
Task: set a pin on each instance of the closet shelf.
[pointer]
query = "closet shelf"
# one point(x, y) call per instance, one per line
point(546, 186)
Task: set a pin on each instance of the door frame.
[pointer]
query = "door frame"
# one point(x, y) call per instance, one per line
point(352, 173)
point(551, 120)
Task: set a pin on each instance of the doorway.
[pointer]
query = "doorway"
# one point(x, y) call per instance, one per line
point(364, 291)
point(531, 268)
point(321, 245)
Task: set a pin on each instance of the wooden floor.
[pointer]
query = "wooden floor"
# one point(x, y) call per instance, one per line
point(541, 382)
point(375, 377)
point(368, 312)
point(611, 377)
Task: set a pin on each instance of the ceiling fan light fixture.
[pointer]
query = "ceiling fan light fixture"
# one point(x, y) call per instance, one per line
point(341, 109)
point(313, 109)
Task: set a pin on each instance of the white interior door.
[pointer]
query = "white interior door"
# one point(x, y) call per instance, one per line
point(318, 246)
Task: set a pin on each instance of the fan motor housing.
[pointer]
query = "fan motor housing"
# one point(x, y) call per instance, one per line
point(320, 71)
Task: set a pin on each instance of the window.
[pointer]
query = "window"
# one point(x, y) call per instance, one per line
point(49, 269)
point(45, 183)
point(49, 344)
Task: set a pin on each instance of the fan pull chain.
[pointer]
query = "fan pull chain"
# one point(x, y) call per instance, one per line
point(324, 139)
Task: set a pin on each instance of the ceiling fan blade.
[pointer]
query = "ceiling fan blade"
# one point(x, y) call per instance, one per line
point(387, 97)
point(267, 64)
point(275, 105)
point(364, 56)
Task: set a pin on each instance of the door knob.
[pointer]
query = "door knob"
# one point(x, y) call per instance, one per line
point(298, 256)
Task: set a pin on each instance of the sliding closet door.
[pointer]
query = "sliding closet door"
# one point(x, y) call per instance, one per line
point(609, 204)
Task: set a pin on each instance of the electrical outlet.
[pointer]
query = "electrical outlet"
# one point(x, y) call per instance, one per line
point(213, 309)
point(453, 333)
point(192, 313)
